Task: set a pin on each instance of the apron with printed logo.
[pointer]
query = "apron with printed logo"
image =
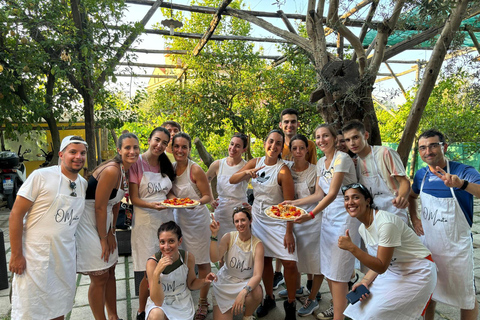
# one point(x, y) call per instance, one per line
point(448, 237)
point(153, 187)
point(46, 289)
point(233, 276)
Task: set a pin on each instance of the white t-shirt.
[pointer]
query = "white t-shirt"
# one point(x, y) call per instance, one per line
point(341, 163)
point(41, 188)
point(309, 175)
point(388, 230)
point(388, 163)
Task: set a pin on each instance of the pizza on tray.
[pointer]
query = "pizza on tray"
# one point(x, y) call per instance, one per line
point(284, 212)
point(180, 203)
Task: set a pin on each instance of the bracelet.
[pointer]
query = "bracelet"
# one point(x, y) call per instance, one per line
point(465, 185)
point(103, 237)
point(311, 214)
point(212, 238)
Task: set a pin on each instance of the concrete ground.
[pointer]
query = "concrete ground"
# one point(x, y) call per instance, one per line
point(127, 302)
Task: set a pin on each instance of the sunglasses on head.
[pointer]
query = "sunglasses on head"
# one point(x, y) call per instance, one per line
point(240, 209)
point(355, 186)
point(73, 186)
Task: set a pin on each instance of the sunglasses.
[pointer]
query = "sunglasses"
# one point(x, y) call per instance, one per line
point(355, 186)
point(240, 209)
point(73, 186)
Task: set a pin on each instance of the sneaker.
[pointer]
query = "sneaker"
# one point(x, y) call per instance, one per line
point(327, 314)
point(290, 310)
point(268, 304)
point(301, 292)
point(277, 280)
point(352, 281)
point(308, 308)
point(141, 315)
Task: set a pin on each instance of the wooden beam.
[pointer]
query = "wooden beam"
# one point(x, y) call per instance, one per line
point(474, 39)
point(150, 65)
point(158, 51)
point(396, 80)
point(285, 20)
point(145, 75)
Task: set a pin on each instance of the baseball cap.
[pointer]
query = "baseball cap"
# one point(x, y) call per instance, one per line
point(71, 139)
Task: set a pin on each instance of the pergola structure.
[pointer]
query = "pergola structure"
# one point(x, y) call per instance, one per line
point(412, 37)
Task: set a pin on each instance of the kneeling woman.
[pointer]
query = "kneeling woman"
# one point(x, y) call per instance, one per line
point(171, 276)
point(239, 278)
point(402, 275)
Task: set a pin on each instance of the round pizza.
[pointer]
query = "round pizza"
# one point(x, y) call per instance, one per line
point(284, 212)
point(180, 203)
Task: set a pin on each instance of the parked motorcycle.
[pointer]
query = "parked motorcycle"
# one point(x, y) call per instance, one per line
point(12, 173)
point(48, 157)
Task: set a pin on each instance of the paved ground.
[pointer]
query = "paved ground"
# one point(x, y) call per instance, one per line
point(128, 302)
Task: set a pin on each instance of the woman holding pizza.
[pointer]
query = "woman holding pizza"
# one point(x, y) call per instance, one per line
point(238, 282)
point(402, 274)
point(335, 169)
point(307, 234)
point(229, 195)
point(171, 276)
point(150, 182)
point(272, 183)
point(191, 182)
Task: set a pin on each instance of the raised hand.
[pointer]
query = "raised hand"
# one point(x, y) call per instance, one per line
point(345, 242)
point(450, 180)
point(214, 227)
point(253, 172)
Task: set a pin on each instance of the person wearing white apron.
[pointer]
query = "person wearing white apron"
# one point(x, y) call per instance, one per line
point(97, 252)
point(229, 195)
point(192, 182)
point(150, 182)
point(171, 276)
point(402, 274)
point(307, 234)
point(272, 184)
point(335, 169)
point(43, 222)
point(446, 190)
point(380, 169)
point(238, 282)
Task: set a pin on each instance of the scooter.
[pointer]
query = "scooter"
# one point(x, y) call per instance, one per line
point(12, 173)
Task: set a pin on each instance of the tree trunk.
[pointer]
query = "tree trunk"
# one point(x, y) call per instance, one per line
point(208, 160)
point(429, 78)
point(50, 119)
point(89, 130)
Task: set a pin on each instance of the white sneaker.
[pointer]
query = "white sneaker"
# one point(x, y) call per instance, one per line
point(327, 314)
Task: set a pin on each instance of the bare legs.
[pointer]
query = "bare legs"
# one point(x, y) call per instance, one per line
point(339, 290)
point(142, 294)
point(464, 314)
point(316, 284)
point(203, 271)
point(290, 275)
point(156, 314)
point(251, 303)
point(103, 293)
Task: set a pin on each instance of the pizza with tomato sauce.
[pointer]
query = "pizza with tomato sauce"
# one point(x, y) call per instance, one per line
point(180, 203)
point(284, 212)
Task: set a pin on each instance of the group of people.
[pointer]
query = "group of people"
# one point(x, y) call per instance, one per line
point(356, 197)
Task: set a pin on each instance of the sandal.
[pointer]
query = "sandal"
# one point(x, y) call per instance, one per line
point(202, 310)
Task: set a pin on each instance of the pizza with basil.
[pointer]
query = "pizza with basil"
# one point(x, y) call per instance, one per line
point(180, 203)
point(284, 212)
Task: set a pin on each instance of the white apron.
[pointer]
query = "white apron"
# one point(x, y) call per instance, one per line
point(268, 192)
point(195, 223)
point(307, 234)
point(448, 237)
point(233, 276)
point(401, 293)
point(89, 248)
point(46, 289)
point(229, 196)
point(178, 302)
point(336, 264)
point(153, 188)
point(382, 196)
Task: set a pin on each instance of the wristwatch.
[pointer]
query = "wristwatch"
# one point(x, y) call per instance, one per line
point(248, 288)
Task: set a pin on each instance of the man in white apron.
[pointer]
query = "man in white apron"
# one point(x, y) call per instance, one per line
point(380, 169)
point(446, 190)
point(51, 202)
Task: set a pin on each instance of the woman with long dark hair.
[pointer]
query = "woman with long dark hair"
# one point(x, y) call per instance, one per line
point(150, 182)
point(97, 252)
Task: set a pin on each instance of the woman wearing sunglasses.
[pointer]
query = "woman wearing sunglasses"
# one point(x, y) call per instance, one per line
point(229, 195)
point(238, 282)
point(402, 275)
point(335, 169)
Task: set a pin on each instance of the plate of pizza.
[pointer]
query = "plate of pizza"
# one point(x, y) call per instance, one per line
point(284, 212)
point(180, 203)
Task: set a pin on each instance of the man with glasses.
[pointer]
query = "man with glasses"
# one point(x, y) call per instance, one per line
point(380, 169)
point(446, 189)
point(51, 202)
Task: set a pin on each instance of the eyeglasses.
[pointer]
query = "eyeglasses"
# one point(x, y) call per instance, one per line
point(430, 146)
point(355, 186)
point(73, 186)
point(241, 209)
